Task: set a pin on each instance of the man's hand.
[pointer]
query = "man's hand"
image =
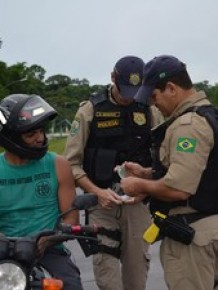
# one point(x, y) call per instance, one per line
point(108, 198)
point(42, 245)
point(4, 116)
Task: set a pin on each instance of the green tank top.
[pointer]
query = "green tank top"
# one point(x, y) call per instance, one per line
point(28, 196)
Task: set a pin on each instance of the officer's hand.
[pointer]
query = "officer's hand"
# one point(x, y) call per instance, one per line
point(131, 169)
point(4, 116)
point(135, 169)
point(108, 198)
point(129, 185)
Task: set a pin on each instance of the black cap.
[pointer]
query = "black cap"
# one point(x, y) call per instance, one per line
point(128, 75)
point(156, 70)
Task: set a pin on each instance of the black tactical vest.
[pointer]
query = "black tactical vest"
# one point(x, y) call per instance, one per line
point(117, 134)
point(206, 198)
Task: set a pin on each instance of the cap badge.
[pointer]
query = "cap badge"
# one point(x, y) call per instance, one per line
point(162, 75)
point(134, 79)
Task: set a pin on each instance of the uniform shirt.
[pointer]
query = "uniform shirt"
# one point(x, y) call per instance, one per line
point(185, 151)
point(79, 135)
point(185, 167)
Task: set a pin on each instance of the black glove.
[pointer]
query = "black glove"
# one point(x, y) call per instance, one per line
point(4, 116)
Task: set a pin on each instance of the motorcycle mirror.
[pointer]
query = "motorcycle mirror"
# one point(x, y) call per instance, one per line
point(81, 202)
point(85, 201)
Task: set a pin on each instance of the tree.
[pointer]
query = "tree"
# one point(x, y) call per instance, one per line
point(36, 72)
point(58, 81)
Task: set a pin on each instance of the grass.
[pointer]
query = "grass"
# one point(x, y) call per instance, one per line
point(57, 145)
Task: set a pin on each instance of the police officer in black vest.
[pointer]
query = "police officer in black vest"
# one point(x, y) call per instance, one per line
point(109, 129)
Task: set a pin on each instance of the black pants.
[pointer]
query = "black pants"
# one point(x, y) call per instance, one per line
point(59, 264)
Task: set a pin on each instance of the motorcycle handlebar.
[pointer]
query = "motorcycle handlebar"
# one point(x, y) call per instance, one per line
point(78, 229)
point(66, 232)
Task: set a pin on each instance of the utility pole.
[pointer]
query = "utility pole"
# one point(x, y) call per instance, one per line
point(1, 43)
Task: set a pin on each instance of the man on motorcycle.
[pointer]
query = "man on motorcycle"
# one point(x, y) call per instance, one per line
point(35, 185)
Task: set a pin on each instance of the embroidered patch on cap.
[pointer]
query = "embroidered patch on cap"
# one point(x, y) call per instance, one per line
point(75, 127)
point(186, 144)
point(134, 79)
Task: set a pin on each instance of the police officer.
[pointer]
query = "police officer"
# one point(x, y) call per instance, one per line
point(108, 129)
point(188, 163)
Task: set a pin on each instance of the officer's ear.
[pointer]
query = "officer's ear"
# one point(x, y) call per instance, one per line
point(172, 88)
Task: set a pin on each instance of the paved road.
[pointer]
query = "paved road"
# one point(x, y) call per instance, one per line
point(155, 279)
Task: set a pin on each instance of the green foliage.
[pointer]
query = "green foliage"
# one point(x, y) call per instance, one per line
point(211, 91)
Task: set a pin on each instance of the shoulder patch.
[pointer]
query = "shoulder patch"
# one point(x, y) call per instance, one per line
point(75, 127)
point(186, 119)
point(185, 144)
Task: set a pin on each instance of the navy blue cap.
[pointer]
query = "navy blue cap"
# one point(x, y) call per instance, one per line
point(128, 75)
point(157, 70)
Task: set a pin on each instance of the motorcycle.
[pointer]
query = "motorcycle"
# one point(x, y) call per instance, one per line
point(20, 267)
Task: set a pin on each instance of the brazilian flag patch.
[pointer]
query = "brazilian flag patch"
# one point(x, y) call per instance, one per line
point(186, 144)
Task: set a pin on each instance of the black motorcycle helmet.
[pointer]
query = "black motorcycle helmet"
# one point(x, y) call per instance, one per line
point(27, 113)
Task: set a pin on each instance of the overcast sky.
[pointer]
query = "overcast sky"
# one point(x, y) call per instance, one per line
point(84, 38)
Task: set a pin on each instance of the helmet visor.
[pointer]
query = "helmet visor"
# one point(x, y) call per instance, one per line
point(33, 113)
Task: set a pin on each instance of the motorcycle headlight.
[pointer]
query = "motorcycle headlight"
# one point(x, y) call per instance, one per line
point(12, 277)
